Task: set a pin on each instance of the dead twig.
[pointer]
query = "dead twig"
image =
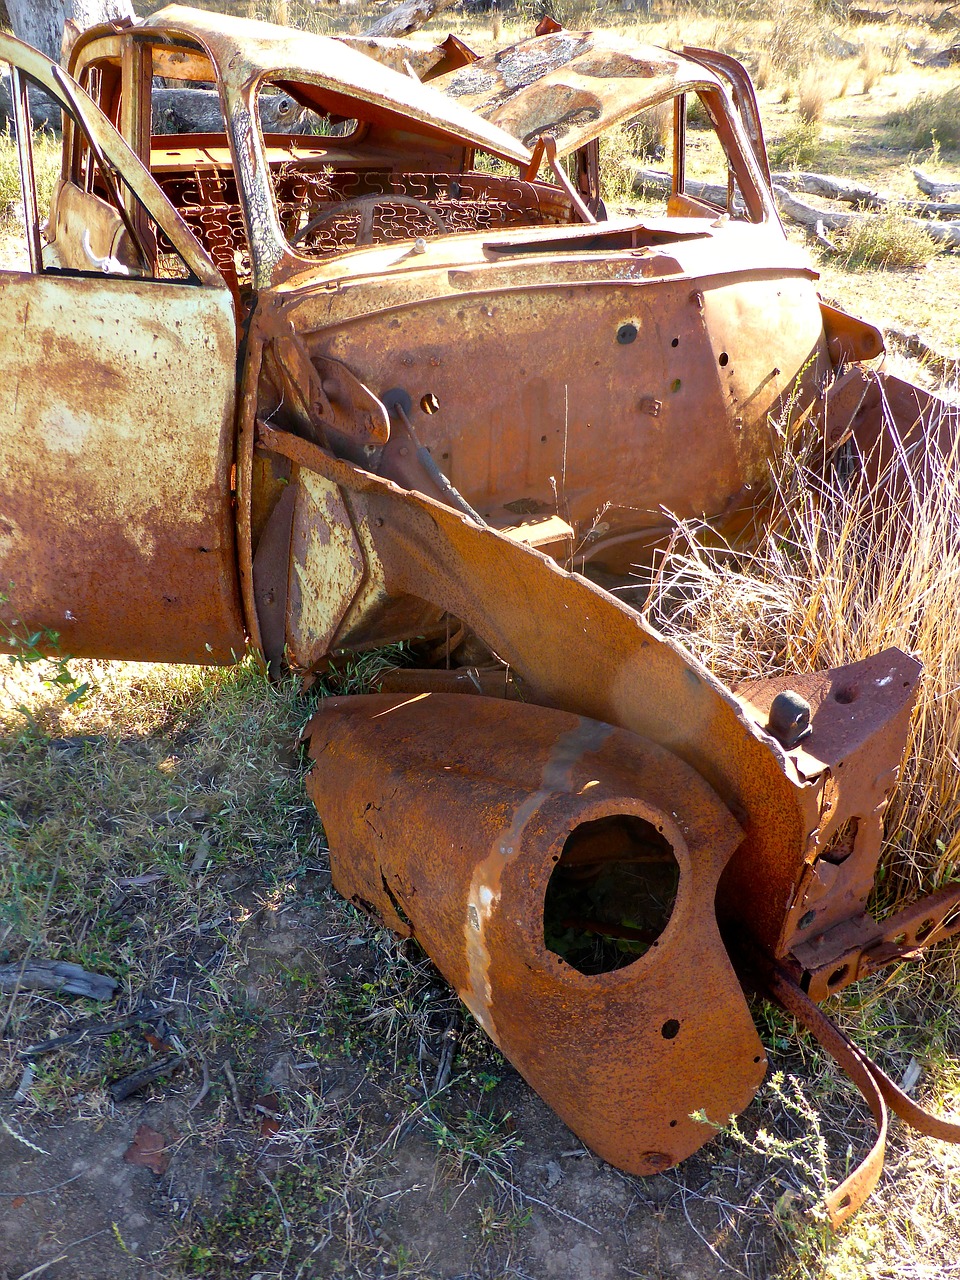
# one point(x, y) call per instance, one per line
point(131, 1084)
point(205, 1086)
point(447, 1054)
point(234, 1091)
point(92, 1029)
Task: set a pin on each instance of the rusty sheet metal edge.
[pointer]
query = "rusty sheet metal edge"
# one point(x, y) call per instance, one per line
point(446, 817)
point(602, 659)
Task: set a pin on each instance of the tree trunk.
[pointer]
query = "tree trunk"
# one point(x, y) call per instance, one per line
point(40, 22)
point(407, 17)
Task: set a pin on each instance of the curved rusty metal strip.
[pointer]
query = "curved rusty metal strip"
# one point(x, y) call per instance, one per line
point(846, 1199)
point(576, 646)
point(873, 1082)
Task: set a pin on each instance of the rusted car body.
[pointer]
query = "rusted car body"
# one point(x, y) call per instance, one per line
point(395, 377)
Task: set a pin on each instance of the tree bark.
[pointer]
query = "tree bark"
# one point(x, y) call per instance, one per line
point(40, 22)
point(806, 215)
point(931, 187)
point(407, 17)
point(820, 184)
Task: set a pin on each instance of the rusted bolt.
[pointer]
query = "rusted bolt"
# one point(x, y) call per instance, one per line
point(697, 298)
point(789, 719)
point(626, 334)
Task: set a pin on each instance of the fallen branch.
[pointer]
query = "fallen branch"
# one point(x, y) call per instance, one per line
point(56, 975)
point(94, 1029)
point(806, 215)
point(407, 17)
point(121, 1089)
point(822, 239)
point(657, 180)
point(915, 345)
point(931, 187)
point(821, 184)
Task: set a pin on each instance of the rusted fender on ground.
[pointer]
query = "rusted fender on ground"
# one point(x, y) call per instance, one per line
point(449, 818)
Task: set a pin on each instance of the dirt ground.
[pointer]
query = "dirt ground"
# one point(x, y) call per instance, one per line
point(158, 832)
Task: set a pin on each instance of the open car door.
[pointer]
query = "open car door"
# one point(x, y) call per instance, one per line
point(118, 348)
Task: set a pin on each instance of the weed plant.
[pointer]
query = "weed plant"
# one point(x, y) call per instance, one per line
point(887, 240)
point(798, 148)
point(930, 120)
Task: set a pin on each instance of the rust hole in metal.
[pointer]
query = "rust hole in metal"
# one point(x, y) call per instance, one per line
point(429, 403)
point(806, 920)
point(724, 360)
point(675, 342)
point(611, 893)
point(837, 975)
point(670, 1029)
point(846, 694)
point(842, 842)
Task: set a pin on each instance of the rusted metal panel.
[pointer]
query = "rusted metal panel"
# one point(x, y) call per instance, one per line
point(572, 84)
point(116, 444)
point(496, 793)
point(663, 402)
point(245, 51)
point(859, 717)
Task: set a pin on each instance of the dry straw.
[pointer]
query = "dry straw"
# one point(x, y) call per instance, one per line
point(840, 574)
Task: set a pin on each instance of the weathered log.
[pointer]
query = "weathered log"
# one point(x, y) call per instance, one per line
point(56, 975)
point(183, 110)
point(947, 233)
point(179, 110)
point(821, 184)
point(401, 55)
point(407, 17)
point(949, 57)
point(864, 17)
point(931, 187)
point(657, 180)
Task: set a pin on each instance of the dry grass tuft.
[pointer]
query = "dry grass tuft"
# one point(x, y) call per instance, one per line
point(814, 94)
point(871, 66)
point(930, 120)
point(838, 576)
point(765, 71)
point(888, 241)
point(797, 34)
point(46, 158)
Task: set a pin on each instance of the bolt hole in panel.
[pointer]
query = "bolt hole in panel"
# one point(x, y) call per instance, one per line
point(611, 893)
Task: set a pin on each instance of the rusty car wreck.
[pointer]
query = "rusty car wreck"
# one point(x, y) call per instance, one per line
point(389, 375)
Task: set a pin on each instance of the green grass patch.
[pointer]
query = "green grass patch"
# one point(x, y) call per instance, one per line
point(930, 120)
point(887, 241)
